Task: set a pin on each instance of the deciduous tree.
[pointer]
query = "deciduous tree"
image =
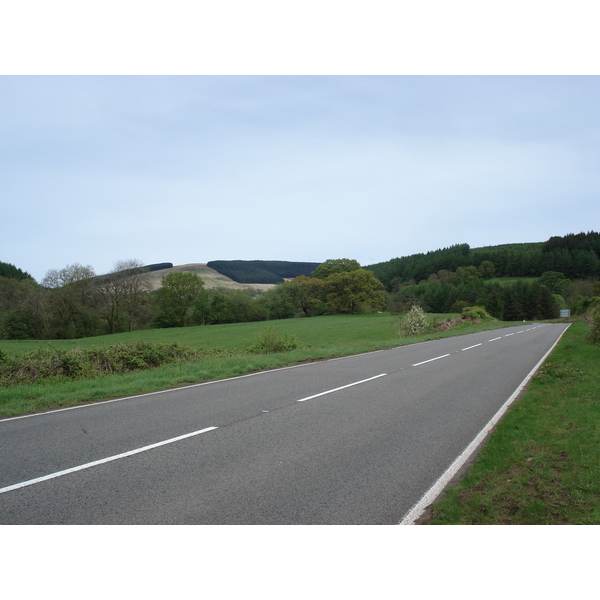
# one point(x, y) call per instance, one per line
point(178, 294)
point(335, 265)
point(354, 292)
point(121, 293)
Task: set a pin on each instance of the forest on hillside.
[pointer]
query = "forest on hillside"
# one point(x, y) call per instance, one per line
point(576, 256)
point(74, 302)
point(261, 271)
point(560, 273)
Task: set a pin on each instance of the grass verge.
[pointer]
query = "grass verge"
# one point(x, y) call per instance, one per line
point(226, 355)
point(541, 465)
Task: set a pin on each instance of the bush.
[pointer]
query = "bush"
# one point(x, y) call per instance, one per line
point(474, 313)
point(414, 322)
point(446, 325)
point(269, 340)
point(83, 364)
point(459, 306)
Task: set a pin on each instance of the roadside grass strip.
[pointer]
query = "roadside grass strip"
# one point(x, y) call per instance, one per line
point(540, 464)
point(438, 487)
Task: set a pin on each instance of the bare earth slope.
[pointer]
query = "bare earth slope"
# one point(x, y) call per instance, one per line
point(212, 279)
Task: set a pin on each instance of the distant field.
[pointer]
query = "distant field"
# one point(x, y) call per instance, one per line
point(315, 331)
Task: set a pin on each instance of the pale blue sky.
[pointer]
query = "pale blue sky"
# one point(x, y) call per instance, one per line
point(303, 168)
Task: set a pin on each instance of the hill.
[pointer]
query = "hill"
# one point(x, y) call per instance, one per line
point(212, 278)
point(576, 256)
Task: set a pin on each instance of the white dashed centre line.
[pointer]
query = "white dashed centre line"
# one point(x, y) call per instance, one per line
point(475, 346)
point(343, 387)
point(431, 359)
point(95, 463)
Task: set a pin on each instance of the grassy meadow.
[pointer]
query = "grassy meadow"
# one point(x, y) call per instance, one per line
point(223, 353)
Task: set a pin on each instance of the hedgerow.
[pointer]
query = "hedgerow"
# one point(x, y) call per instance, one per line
point(86, 363)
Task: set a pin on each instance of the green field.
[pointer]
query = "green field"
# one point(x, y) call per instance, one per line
point(225, 355)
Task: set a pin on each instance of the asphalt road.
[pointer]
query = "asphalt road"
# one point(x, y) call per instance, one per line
point(356, 440)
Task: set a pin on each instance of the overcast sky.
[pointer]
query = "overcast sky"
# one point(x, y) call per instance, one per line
point(187, 169)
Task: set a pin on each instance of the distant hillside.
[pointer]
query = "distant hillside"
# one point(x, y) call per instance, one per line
point(212, 279)
point(261, 271)
point(576, 256)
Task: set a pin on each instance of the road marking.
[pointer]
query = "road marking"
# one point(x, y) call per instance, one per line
point(509, 334)
point(341, 388)
point(493, 340)
point(426, 361)
point(95, 463)
point(436, 489)
point(475, 346)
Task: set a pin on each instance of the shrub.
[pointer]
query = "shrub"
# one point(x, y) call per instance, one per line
point(269, 340)
point(82, 364)
point(474, 312)
point(446, 325)
point(459, 306)
point(414, 322)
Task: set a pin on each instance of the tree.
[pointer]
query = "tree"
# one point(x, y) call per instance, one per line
point(465, 275)
point(335, 265)
point(487, 269)
point(24, 307)
point(70, 274)
point(354, 291)
point(70, 296)
point(122, 293)
point(178, 294)
point(554, 281)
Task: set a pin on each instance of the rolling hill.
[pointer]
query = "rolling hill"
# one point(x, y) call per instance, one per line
point(212, 279)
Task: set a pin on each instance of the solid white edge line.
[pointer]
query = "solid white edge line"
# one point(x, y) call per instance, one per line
point(426, 361)
point(341, 388)
point(436, 489)
point(95, 463)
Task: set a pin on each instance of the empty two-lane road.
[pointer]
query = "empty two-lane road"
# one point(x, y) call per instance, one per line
point(356, 440)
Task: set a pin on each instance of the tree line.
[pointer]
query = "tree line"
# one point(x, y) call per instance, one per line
point(74, 302)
